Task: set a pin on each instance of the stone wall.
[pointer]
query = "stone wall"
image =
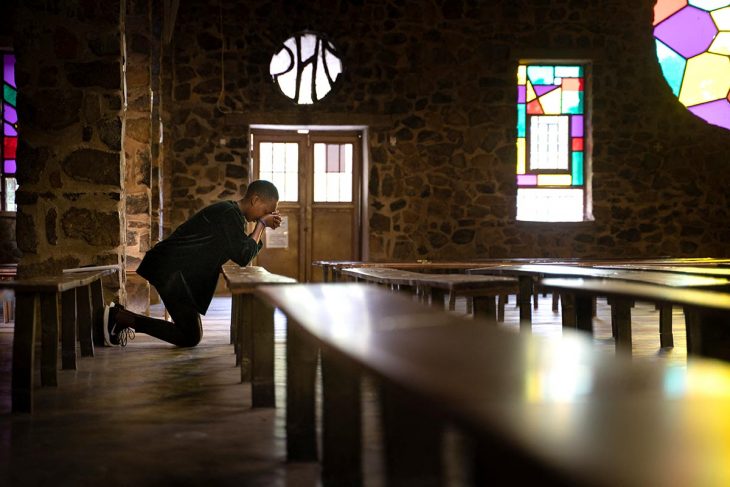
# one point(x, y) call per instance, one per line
point(443, 75)
point(71, 195)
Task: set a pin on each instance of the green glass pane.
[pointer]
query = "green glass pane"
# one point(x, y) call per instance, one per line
point(10, 95)
point(541, 75)
point(573, 102)
point(577, 169)
point(521, 120)
point(672, 65)
point(568, 71)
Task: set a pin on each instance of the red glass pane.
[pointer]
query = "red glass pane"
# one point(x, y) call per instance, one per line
point(577, 144)
point(11, 144)
point(534, 108)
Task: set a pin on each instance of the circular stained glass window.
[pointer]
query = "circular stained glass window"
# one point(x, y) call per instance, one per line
point(306, 67)
point(693, 48)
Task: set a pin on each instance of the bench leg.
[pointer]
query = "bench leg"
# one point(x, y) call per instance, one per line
point(236, 304)
point(341, 424)
point(26, 308)
point(568, 310)
point(556, 301)
point(524, 302)
point(484, 307)
point(707, 333)
point(85, 319)
point(49, 339)
point(262, 366)
point(413, 441)
point(301, 368)
point(666, 337)
point(437, 298)
point(503, 298)
point(245, 336)
point(69, 334)
point(584, 313)
point(96, 291)
point(622, 315)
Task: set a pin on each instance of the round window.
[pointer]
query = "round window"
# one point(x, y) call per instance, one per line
point(306, 67)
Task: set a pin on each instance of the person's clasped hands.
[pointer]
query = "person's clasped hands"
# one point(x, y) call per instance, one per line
point(272, 220)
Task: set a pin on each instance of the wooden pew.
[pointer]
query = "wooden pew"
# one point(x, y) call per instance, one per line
point(483, 289)
point(707, 313)
point(538, 411)
point(80, 297)
point(528, 274)
point(252, 329)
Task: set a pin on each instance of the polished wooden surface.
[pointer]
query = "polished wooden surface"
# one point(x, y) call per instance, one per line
point(662, 278)
point(245, 279)
point(59, 283)
point(444, 281)
point(594, 418)
point(704, 270)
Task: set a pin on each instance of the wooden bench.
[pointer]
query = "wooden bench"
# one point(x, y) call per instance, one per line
point(537, 410)
point(707, 313)
point(80, 297)
point(252, 329)
point(528, 274)
point(483, 289)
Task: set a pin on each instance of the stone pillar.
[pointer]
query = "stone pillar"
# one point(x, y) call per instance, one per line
point(70, 104)
point(137, 149)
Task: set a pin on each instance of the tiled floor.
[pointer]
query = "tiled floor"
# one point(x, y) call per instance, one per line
point(152, 414)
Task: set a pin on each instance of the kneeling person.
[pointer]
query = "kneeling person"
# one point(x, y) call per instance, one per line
point(184, 267)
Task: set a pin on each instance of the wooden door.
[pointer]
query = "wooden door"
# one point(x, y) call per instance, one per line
point(318, 175)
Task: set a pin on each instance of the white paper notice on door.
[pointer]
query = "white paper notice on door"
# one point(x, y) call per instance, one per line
point(279, 238)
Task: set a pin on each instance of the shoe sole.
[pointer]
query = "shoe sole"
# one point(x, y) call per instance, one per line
point(107, 339)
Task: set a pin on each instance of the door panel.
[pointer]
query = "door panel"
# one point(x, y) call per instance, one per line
point(318, 177)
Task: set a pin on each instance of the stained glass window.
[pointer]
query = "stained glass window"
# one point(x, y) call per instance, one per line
point(693, 48)
point(550, 142)
point(279, 163)
point(332, 172)
point(8, 168)
point(306, 67)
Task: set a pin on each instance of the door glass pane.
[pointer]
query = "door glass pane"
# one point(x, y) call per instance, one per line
point(332, 172)
point(279, 163)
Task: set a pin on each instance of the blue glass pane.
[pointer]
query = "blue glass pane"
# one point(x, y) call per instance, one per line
point(521, 120)
point(577, 169)
point(672, 65)
point(541, 75)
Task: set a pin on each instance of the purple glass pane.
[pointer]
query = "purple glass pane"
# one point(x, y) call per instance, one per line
point(689, 31)
point(9, 166)
point(526, 180)
point(542, 89)
point(715, 112)
point(10, 131)
point(576, 126)
point(9, 69)
point(10, 114)
point(333, 158)
point(521, 93)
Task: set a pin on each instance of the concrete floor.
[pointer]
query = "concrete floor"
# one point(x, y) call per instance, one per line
point(152, 414)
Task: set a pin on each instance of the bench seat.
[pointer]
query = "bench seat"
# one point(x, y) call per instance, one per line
point(80, 297)
point(536, 410)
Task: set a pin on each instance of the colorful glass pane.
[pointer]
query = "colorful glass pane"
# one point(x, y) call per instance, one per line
point(693, 49)
point(526, 180)
point(9, 147)
point(521, 155)
point(551, 102)
point(572, 102)
point(576, 126)
point(554, 180)
point(9, 144)
point(577, 144)
point(521, 120)
point(9, 166)
point(541, 75)
point(577, 168)
point(10, 130)
point(569, 71)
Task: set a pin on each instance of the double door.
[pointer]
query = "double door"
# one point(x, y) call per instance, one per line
point(318, 175)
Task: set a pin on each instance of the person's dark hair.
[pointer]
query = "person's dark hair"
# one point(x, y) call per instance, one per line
point(264, 189)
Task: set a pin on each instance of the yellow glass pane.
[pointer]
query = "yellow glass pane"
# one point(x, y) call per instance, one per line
point(551, 102)
point(554, 180)
point(531, 95)
point(722, 18)
point(521, 155)
point(521, 74)
point(721, 44)
point(706, 78)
